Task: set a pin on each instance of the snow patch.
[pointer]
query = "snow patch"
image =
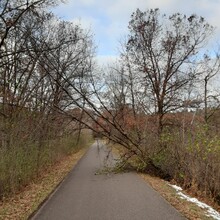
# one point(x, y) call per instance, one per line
point(177, 188)
point(210, 212)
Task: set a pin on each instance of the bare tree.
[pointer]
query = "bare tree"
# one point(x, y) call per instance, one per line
point(13, 11)
point(44, 62)
point(210, 68)
point(162, 50)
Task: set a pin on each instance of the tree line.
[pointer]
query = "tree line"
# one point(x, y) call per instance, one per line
point(41, 59)
point(159, 102)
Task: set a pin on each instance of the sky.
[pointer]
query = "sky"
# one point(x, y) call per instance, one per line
point(108, 19)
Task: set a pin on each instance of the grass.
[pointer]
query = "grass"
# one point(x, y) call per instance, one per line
point(21, 162)
point(24, 202)
point(190, 210)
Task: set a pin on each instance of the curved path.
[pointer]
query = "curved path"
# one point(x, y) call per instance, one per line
point(86, 195)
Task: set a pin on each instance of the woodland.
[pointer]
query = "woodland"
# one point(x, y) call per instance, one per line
point(160, 102)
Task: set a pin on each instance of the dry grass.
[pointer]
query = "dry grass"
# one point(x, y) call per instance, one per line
point(25, 202)
point(189, 210)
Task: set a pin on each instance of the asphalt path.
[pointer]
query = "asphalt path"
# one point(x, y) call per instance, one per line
point(88, 193)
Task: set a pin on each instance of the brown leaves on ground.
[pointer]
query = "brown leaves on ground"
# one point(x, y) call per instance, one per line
point(25, 202)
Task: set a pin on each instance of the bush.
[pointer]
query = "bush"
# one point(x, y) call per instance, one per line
point(19, 164)
point(192, 157)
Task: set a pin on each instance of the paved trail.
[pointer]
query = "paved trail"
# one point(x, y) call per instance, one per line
point(86, 196)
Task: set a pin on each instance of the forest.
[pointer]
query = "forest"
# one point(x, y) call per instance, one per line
point(159, 102)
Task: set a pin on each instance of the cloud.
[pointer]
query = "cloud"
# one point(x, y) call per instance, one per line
point(103, 60)
point(109, 19)
point(86, 22)
point(122, 9)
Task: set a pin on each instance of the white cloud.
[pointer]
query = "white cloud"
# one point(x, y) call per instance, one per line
point(87, 2)
point(86, 22)
point(109, 19)
point(105, 59)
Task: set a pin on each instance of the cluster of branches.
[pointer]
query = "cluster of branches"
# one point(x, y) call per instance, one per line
point(141, 100)
point(163, 69)
point(42, 59)
point(44, 62)
point(162, 74)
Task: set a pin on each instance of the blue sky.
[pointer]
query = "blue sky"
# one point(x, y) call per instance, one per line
point(108, 20)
